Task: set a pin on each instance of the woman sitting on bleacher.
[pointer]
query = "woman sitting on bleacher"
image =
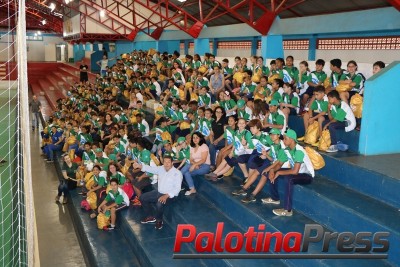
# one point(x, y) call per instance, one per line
point(217, 140)
point(199, 161)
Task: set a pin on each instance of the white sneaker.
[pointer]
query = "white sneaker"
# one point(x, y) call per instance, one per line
point(189, 192)
point(332, 149)
point(282, 212)
point(270, 201)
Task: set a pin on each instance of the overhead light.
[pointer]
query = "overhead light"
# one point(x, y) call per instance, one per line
point(67, 1)
point(102, 13)
point(181, 1)
point(52, 6)
point(39, 33)
point(44, 22)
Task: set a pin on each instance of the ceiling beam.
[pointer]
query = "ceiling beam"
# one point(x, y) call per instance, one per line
point(395, 4)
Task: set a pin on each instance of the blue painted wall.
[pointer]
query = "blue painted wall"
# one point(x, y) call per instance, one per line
point(202, 46)
point(122, 47)
point(168, 46)
point(94, 57)
point(272, 46)
point(380, 123)
point(144, 45)
point(79, 52)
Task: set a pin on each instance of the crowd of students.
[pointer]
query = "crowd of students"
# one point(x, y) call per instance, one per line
point(210, 117)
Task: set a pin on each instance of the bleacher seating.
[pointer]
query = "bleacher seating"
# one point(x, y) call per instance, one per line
point(349, 138)
point(344, 196)
point(337, 199)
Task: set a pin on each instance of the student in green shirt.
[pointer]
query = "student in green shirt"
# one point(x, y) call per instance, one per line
point(205, 124)
point(300, 171)
point(354, 79)
point(315, 78)
point(241, 110)
point(302, 79)
point(277, 90)
point(242, 144)
point(276, 118)
point(247, 88)
point(100, 160)
point(340, 117)
point(115, 200)
point(270, 159)
point(259, 141)
point(113, 173)
point(290, 104)
point(88, 156)
point(183, 153)
point(337, 74)
point(228, 73)
point(291, 69)
point(204, 97)
point(318, 109)
point(100, 183)
point(141, 179)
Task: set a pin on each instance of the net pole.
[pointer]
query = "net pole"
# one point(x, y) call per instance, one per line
point(25, 134)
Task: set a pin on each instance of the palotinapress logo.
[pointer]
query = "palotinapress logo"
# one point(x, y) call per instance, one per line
point(313, 243)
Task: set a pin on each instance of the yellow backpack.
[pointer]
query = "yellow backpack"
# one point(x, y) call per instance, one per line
point(325, 140)
point(317, 160)
point(312, 134)
point(102, 221)
point(356, 104)
point(92, 200)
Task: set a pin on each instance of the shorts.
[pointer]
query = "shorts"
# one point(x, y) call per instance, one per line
point(265, 165)
point(119, 206)
point(309, 91)
point(326, 117)
point(231, 161)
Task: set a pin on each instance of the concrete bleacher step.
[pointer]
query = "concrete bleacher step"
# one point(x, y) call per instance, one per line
point(57, 83)
point(75, 69)
point(51, 95)
point(254, 213)
point(69, 71)
point(350, 138)
point(152, 247)
point(101, 248)
point(204, 215)
point(67, 80)
point(36, 89)
point(347, 210)
point(342, 168)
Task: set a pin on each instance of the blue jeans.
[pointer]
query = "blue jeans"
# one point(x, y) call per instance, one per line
point(63, 188)
point(333, 127)
point(213, 149)
point(149, 198)
point(289, 181)
point(50, 148)
point(203, 169)
point(35, 119)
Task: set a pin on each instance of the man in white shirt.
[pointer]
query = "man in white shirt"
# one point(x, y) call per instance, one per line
point(169, 186)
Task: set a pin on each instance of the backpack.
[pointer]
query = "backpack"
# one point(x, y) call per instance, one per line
point(317, 160)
